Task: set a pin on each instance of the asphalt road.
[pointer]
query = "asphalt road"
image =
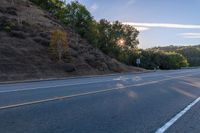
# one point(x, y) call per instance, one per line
point(163, 101)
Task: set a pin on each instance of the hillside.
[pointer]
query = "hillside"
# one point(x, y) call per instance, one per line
point(25, 32)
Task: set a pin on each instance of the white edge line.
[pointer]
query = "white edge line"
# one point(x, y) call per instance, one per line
point(46, 87)
point(65, 85)
point(83, 94)
point(178, 116)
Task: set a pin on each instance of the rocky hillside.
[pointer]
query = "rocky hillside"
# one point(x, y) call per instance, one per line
point(25, 32)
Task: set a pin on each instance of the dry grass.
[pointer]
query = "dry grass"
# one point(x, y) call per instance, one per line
point(24, 47)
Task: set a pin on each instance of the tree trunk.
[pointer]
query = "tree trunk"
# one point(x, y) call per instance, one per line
point(59, 49)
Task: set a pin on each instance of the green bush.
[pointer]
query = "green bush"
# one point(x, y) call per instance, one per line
point(164, 60)
point(7, 28)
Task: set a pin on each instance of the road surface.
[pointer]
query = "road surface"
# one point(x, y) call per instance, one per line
point(157, 102)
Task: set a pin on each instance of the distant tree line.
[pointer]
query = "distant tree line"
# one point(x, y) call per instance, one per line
point(151, 59)
point(191, 53)
point(115, 39)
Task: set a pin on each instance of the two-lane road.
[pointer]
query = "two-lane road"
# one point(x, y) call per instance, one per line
point(163, 101)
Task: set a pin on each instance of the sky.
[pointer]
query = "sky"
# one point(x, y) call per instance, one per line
point(160, 22)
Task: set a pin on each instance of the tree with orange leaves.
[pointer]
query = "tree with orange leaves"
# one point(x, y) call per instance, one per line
point(59, 43)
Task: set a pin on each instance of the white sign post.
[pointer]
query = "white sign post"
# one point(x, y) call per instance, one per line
point(138, 62)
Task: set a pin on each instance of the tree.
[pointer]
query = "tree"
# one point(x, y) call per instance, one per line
point(152, 58)
point(59, 44)
point(104, 36)
point(115, 39)
point(130, 36)
point(192, 53)
point(78, 17)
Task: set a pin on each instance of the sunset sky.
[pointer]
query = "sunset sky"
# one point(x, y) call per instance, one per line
point(161, 22)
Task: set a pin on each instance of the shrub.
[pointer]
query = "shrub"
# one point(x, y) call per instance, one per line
point(58, 43)
point(151, 59)
point(7, 28)
point(7, 25)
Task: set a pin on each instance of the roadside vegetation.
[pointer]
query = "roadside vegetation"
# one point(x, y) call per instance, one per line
point(162, 60)
point(192, 53)
point(58, 44)
point(115, 39)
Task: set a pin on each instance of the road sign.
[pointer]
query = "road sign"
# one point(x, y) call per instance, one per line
point(138, 61)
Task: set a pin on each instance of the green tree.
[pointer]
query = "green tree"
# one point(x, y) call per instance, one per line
point(78, 17)
point(114, 39)
point(192, 54)
point(165, 60)
point(117, 40)
point(130, 36)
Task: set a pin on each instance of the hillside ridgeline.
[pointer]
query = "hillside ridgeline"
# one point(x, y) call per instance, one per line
point(25, 32)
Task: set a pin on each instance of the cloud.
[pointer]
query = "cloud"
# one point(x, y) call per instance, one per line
point(163, 25)
point(94, 7)
point(190, 35)
point(141, 28)
point(130, 2)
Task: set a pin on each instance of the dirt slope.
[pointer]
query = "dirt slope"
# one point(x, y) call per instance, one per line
point(25, 32)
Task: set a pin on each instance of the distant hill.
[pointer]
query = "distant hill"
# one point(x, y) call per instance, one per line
point(174, 48)
point(25, 32)
point(192, 53)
